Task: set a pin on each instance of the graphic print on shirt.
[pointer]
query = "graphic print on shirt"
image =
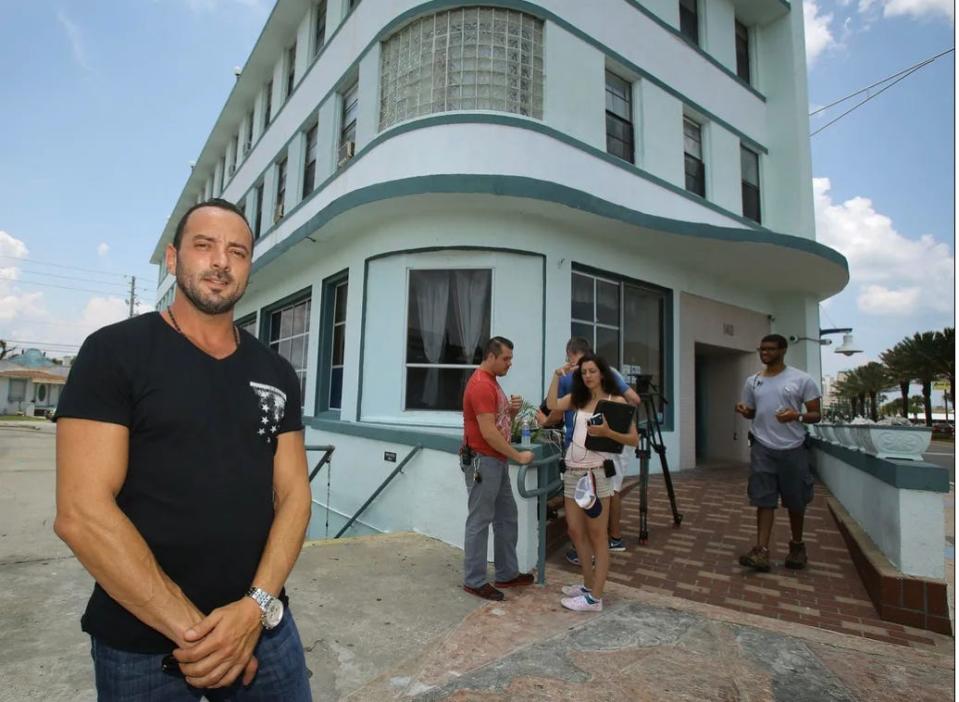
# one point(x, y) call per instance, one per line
point(272, 403)
point(503, 421)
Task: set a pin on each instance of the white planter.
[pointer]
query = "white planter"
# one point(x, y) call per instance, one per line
point(906, 443)
point(827, 431)
point(813, 430)
point(845, 437)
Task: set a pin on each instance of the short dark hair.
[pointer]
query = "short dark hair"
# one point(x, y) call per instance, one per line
point(778, 339)
point(582, 394)
point(217, 202)
point(578, 344)
point(495, 346)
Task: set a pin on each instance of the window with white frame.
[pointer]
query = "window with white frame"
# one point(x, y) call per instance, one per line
point(742, 51)
point(750, 178)
point(448, 321)
point(17, 391)
point(689, 20)
point(278, 207)
point(624, 320)
point(475, 58)
point(694, 165)
point(319, 26)
point(348, 124)
point(619, 117)
point(309, 162)
point(289, 336)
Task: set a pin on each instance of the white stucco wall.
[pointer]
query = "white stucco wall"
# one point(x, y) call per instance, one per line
point(906, 525)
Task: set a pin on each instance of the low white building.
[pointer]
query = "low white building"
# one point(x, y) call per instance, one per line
point(422, 175)
point(30, 384)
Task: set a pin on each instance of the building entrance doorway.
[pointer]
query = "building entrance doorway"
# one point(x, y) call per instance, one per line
point(718, 386)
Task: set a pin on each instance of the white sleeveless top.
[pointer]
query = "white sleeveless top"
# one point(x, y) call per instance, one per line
point(577, 455)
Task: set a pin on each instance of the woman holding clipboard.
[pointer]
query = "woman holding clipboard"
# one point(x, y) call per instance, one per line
point(587, 519)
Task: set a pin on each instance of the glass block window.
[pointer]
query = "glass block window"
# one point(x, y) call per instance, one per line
point(693, 154)
point(750, 168)
point(290, 336)
point(476, 58)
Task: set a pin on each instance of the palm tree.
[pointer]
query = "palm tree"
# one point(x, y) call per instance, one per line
point(896, 361)
point(923, 350)
point(873, 378)
point(946, 359)
point(850, 388)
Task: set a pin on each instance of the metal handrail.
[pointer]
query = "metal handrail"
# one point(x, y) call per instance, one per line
point(541, 494)
point(378, 490)
point(324, 459)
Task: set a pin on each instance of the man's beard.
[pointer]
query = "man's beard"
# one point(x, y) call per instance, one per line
point(201, 301)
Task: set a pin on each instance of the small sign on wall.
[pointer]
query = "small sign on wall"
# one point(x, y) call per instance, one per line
point(729, 330)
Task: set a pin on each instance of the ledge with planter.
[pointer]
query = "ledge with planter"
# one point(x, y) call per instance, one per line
point(880, 440)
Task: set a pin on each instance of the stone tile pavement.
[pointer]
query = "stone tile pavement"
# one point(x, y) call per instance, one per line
point(699, 560)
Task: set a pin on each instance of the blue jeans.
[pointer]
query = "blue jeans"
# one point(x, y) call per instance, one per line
point(123, 676)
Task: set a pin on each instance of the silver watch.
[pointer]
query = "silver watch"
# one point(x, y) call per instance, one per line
point(270, 607)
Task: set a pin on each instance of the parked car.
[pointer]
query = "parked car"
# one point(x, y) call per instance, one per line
point(943, 429)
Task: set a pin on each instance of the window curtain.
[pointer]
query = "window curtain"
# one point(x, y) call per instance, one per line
point(471, 290)
point(432, 305)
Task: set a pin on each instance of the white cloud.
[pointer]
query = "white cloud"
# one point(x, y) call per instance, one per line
point(75, 37)
point(917, 9)
point(11, 247)
point(818, 31)
point(894, 275)
point(103, 249)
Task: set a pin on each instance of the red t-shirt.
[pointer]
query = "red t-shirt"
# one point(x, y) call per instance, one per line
point(483, 395)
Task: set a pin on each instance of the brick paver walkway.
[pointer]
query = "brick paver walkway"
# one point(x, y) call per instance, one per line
point(699, 560)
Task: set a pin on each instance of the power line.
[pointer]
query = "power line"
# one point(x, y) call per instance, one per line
point(41, 343)
point(900, 76)
point(880, 82)
point(69, 277)
point(114, 293)
point(61, 265)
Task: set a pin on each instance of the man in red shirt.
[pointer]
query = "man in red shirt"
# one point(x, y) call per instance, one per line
point(487, 417)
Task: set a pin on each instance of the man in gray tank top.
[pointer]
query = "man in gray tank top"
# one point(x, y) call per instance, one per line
point(779, 399)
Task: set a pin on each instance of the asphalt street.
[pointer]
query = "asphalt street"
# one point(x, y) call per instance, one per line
point(943, 453)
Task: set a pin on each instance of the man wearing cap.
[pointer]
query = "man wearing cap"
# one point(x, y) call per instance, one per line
point(773, 399)
point(487, 418)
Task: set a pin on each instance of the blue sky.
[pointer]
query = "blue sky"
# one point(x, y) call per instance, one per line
point(108, 102)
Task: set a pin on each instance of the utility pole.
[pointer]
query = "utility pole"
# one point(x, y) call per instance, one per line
point(133, 294)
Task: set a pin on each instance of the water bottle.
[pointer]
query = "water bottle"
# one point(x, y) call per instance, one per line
point(524, 437)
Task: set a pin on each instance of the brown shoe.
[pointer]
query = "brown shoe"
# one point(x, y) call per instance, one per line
point(521, 580)
point(757, 559)
point(796, 559)
point(487, 592)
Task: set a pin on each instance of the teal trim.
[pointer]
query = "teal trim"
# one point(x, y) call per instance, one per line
point(422, 250)
point(325, 338)
point(268, 310)
point(695, 47)
point(437, 5)
point(904, 475)
point(535, 189)
point(509, 121)
point(395, 434)
point(542, 369)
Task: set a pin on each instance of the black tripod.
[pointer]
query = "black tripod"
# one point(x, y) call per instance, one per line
point(651, 439)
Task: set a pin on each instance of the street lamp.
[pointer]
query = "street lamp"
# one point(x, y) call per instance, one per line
point(848, 347)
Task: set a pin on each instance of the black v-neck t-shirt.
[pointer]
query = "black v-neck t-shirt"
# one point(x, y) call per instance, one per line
point(199, 482)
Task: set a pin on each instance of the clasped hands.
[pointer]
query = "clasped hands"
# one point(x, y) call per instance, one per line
point(217, 650)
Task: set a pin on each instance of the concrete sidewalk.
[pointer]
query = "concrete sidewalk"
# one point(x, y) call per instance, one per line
point(385, 617)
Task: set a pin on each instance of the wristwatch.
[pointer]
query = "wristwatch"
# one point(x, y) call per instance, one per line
point(271, 608)
point(799, 418)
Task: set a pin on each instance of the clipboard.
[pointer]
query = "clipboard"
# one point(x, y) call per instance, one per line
point(619, 415)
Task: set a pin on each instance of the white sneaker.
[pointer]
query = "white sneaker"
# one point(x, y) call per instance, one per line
point(574, 590)
point(580, 604)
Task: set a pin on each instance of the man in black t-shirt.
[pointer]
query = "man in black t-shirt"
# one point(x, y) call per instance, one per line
point(182, 487)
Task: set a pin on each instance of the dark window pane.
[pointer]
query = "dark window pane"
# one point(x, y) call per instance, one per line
point(692, 138)
point(449, 315)
point(742, 51)
point(299, 319)
point(607, 302)
point(298, 352)
point(643, 330)
point(607, 345)
point(275, 319)
point(339, 314)
point(695, 176)
point(689, 20)
point(444, 391)
point(336, 388)
point(582, 297)
point(286, 323)
point(285, 349)
point(309, 178)
point(751, 202)
point(339, 342)
point(749, 161)
point(583, 330)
